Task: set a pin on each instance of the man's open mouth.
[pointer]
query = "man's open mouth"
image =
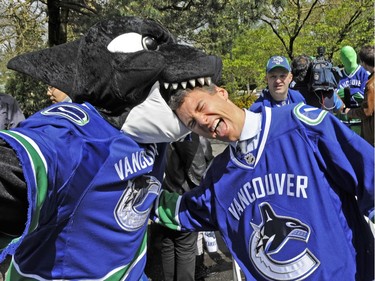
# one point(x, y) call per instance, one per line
point(217, 125)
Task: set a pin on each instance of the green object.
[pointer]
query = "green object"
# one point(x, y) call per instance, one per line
point(349, 59)
point(342, 117)
point(340, 92)
point(355, 126)
point(358, 97)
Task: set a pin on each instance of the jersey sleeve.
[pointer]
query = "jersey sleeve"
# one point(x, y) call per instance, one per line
point(345, 156)
point(13, 195)
point(191, 211)
point(34, 170)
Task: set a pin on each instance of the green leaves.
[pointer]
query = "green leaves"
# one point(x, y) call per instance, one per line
point(245, 33)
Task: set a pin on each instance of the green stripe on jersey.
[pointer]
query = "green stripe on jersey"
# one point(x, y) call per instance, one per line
point(123, 272)
point(39, 169)
point(117, 274)
point(308, 120)
point(166, 210)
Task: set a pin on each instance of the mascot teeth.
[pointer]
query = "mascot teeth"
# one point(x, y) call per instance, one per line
point(203, 81)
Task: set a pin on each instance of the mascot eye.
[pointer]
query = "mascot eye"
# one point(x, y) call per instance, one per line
point(149, 43)
point(132, 42)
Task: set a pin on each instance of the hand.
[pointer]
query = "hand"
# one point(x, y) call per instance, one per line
point(345, 110)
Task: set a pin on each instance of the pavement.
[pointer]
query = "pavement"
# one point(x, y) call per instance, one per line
point(220, 264)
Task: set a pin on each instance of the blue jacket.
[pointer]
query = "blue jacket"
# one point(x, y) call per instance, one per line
point(265, 99)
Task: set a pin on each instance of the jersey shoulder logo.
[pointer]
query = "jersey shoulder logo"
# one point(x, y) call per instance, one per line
point(133, 209)
point(310, 115)
point(69, 111)
point(270, 237)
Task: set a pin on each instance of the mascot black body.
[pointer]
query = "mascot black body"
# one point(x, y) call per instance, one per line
point(78, 179)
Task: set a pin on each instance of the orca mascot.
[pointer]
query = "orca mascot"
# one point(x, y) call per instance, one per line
point(78, 180)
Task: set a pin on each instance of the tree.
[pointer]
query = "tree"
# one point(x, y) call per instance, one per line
point(79, 15)
point(26, 24)
point(318, 22)
point(30, 94)
point(245, 33)
point(22, 25)
point(291, 28)
point(345, 22)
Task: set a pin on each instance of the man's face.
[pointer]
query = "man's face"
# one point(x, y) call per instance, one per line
point(55, 95)
point(278, 80)
point(211, 115)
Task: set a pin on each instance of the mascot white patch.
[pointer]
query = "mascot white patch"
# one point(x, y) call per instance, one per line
point(133, 209)
point(270, 237)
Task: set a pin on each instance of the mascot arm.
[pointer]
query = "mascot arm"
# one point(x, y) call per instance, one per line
point(13, 195)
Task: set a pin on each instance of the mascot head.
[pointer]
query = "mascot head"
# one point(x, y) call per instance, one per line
point(118, 66)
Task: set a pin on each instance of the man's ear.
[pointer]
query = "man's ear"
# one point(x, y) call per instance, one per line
point(222, 92)
point(290, 77)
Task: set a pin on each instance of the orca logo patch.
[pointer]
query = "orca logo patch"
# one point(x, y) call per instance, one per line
point(269, 239)
point(133, 209)
point(69, 111)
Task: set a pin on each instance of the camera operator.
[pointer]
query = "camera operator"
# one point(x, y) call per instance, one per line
point(319, 89)
point(366, 111)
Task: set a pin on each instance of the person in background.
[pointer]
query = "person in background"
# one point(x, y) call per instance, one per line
point(10, 113)
point(301, 68)
point(186, 162)
point(55, 95)
point(289, 193)
point(277, 93)
point(328, 100)
point(366, 111)
point(352, 85)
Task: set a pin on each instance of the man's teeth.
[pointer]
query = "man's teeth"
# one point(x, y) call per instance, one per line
point(217, 125)
point(202, 81)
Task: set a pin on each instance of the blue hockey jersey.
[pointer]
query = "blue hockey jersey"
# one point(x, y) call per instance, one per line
point(90, 190)
point(266, 99)
point(356, 82)
point(293, 208)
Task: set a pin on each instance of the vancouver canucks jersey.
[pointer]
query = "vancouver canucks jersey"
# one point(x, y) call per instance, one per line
point(356, 82)
point(266, 99)
point(89, 190)
point(293, 208)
